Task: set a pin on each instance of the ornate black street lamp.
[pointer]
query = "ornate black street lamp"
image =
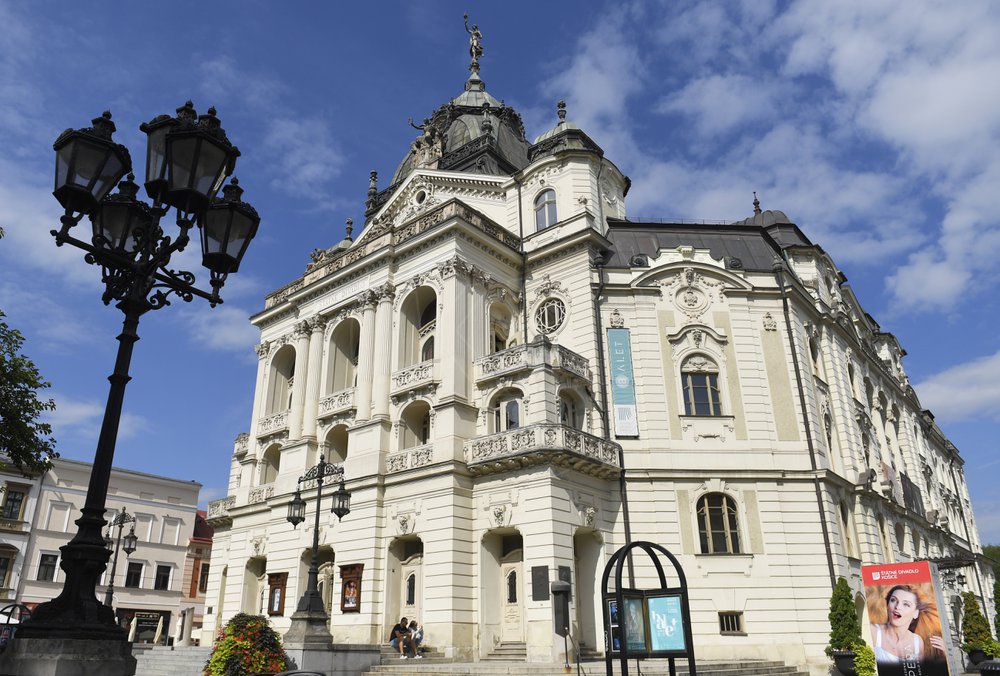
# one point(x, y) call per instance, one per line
point(311, 601)
point(131, 541)
point(188, 158)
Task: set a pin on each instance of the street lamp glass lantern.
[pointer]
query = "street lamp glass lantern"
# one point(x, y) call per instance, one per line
point(121, 219)
point(226, 230)
point(156, 155)
point(341, 502)
point(130, 541)
point(88, 164)
point(198, 159)
point(296, 510)
point(108, 541)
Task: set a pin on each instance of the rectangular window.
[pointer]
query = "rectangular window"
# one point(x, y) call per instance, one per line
point(133, 576)
point(47, 567)
point(701, 394)
point(13, 501)
point(203, 580)
point(6, 563)
point(731, 623)
point(162, 580)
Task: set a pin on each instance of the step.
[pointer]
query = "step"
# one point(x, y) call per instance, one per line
point(648, 668)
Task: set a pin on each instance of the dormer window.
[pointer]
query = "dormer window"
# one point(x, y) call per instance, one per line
point(545, 209)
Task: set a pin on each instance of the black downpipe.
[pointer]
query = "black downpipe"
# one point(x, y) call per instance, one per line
point(779, 273)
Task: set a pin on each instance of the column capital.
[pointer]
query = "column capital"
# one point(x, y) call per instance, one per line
point(263, 349)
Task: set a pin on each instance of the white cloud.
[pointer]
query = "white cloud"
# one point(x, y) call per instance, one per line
point(719, 103)
point(965, 391)
point(81, 419)
point(224, 327)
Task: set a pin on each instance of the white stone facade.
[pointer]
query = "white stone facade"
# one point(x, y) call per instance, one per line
point(453, 360)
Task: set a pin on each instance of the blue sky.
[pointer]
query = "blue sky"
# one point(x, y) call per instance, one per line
point(874, 125)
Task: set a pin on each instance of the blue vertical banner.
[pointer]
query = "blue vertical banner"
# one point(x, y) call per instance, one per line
point(622, 383)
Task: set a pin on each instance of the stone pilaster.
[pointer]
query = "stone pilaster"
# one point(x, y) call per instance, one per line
point(314, 376)
point(366, 358)
point(383, 358)
point(301, 378)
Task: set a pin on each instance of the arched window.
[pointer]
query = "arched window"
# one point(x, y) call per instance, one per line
point(545, 209)
point(427, 351)
point(416, 419)
point(419, 320)
point(718, 524)
point(570, 410)
point(506, 411)
point(500, 323)
point(512, 587)
point(411, 589)
point(281, 377)
point(270, 462)
point(345, 344)
point(336, 444)
point(847, 526)
point(700, 379)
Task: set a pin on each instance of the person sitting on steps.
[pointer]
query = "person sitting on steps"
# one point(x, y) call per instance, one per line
point(399, 638)
point(416, 633)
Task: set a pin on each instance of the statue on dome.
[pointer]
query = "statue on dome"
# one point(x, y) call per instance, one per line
point(475, 41)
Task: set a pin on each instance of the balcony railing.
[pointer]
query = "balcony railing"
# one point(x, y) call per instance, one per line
point(218, 510)
point(542, 444)
point(338, 402)
point(413, 377)
point(273, 423)
point(409, 458)
point(524, 357)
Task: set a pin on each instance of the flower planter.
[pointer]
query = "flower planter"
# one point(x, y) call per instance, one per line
point(844, 661)
point(977, 656)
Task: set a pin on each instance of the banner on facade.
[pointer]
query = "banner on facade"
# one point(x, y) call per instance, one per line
point(907, 634)
point(622, 383)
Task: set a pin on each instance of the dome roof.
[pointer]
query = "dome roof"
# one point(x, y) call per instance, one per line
point(473, 132)
point(765, 218)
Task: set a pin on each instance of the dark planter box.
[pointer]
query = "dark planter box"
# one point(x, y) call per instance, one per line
point(977, 656)
point(844, 661)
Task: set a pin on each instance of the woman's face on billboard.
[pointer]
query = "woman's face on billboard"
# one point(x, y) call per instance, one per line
point(902, 608)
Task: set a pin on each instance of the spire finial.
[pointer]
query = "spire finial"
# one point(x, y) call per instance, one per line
point(349, 229)
point(756, 203)
point(475, 46)
point(372, 189)
point(561, 110)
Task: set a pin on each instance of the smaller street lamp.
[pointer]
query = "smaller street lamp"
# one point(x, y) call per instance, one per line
point(311, 601)
point(130, 542)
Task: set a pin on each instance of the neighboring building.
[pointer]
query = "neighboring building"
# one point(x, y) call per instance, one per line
point(195, 582)
point(148, 582)
point(457, 360)
point(17, 510)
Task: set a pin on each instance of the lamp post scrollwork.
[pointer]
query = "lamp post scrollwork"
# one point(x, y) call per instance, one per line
point(130, 544)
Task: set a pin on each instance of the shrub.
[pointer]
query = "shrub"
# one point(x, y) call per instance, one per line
point(996, 604)
point(845, 631)
point(246, 645)
point(975, 629)
point(864, 659)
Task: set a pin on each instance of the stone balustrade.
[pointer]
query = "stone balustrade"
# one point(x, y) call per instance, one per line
point(541, 444)
point(218, 510)
point(338, 402)
point(525, 357)
point(272, 423)
point(414, 376)
point(409, 458)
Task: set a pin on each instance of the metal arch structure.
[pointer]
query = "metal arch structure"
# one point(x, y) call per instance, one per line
point(618, 596)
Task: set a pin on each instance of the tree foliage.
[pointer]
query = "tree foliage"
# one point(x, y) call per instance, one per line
point(975, 629)
point(26, 442)
point(845, 630)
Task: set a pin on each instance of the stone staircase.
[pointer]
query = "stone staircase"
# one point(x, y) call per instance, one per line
point(508, 652)
point(170, 661)
point(390, 655)
point(648, 668)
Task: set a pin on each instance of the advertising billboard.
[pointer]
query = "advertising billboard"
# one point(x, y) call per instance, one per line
point(622, 383)
point(907, 634)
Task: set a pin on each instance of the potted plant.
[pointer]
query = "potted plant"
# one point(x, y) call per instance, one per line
point(975, 630)
point(246, 646)
point(845, 630)
point(864, 659)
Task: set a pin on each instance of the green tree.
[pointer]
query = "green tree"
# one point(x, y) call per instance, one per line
point(845, 631)
point(26, 442)
point(975, 629)
point(993, 552)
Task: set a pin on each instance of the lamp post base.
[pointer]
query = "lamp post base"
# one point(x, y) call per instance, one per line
point(308, 642)
point(67, 657)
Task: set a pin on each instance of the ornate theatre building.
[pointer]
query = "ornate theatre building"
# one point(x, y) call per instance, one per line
point(514, 378)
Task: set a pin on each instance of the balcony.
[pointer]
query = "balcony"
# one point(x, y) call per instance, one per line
point(413, 377)
point(410, 458)
point(218, 511)
point(335, 403)
point(542, 444)
point(541, 352)
point(273, 424)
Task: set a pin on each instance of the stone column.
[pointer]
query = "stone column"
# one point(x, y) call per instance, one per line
point(260, 393)
point(482, 334)
point(383, 359)
point(452, 348)
point(301, 377)
point(314, 376)
point(366, 358)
